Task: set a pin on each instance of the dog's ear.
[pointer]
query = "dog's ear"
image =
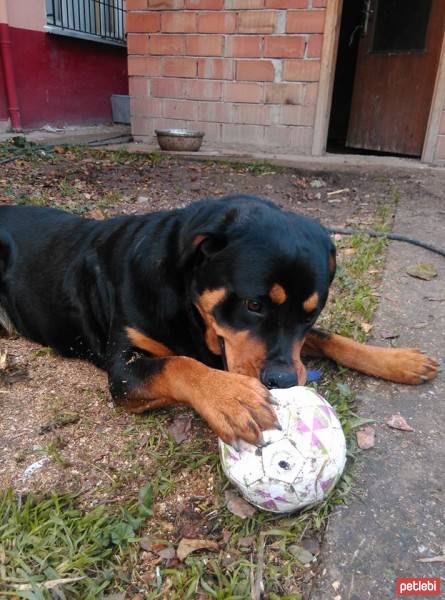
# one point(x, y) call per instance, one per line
point(206, 233)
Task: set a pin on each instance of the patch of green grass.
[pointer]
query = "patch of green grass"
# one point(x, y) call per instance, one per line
point(44, 540)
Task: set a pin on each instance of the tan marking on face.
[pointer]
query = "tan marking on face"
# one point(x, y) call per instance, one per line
point(311, 303)
point(142, 341)
point(206, 304)
point(298, 365)
point(244, 353)
point(278, 294)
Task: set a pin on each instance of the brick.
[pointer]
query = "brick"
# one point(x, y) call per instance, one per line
point(141, 126)
point(138, 87)
point(143, 22)
point(314, 46)
point(179, 22)
point(297, 115)
point(442, 124)
point(143, 65)
point(171, 45)
point(168, 88)
point(243, 134)
point(254, 70)
point(218, 112)
point(244, 4)
point(136, 5)
point(243, 92)
point(212, 131)
point(137, 43)
point(215, 68)
point(305, 21)
point(297, 138)
point(257, 22)
point(251, 114)
point(301, 70)
point(440, 149)
point(244, 46)
point(217, 22)
point(286, 3)
point(165, 4)
point(180, 109)
point(164, 123)
point(179, 67)
point(284, 46)
point(146, 107)
point(204, 45)
point(203, 90)
point(204, 4)
point(319, 3)
point(311, 94)
point(284, 93)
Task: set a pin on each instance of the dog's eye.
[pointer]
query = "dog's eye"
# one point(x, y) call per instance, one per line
point(254, 306)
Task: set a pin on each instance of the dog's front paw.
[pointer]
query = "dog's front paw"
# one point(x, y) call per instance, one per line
point(236, 407)
point(411, 366)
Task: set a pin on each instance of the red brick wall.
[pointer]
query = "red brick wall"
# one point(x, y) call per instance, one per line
point(244, 71)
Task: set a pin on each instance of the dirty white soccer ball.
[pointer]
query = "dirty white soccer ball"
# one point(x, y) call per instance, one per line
point(297, 466)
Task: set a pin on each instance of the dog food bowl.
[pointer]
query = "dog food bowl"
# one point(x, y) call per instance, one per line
point(179, 140)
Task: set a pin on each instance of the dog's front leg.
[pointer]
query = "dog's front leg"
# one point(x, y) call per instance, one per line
point(235, 406)
point(401, 365)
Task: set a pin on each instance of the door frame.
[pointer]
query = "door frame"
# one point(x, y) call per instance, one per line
point(334, 11)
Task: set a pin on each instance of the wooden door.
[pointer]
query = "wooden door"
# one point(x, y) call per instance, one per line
point(396, 70)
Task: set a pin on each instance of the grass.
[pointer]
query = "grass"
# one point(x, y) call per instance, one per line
point(43, 539)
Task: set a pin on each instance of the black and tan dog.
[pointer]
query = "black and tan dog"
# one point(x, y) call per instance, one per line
point(164, 302)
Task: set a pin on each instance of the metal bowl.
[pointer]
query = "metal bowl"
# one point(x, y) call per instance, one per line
point(180, 140)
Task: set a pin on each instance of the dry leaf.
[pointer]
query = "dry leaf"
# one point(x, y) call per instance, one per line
point(48, 585)
point(431, 559)
point(187, 546)
point(365, 437)
point(398, 422)
point(366, 327)
point(426, 271)
point(179, 429)
point(237, 506)
point(96, 214)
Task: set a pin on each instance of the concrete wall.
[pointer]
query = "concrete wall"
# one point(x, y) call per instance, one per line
point(243, 71)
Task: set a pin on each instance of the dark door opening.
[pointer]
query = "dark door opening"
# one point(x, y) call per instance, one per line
point(388, 56)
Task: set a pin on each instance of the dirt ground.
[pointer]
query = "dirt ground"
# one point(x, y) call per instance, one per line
point(59, 411)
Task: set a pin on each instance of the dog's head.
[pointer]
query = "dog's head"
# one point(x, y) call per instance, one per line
point(259, 277)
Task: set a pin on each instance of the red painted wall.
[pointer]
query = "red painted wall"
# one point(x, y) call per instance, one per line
point(4, 115)
point(65, 81)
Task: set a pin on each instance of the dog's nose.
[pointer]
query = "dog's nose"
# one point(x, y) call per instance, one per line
point(273, 377)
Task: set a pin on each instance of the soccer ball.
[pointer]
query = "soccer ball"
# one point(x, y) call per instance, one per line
point(297, 466)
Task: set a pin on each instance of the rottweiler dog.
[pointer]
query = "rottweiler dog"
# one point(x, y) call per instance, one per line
point(210, 305)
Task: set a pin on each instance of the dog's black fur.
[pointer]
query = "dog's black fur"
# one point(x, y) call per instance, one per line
point(161, 300)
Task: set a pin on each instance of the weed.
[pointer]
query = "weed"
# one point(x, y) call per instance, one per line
point(46, 539)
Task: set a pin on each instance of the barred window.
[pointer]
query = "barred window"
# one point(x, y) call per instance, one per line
point(100, 19)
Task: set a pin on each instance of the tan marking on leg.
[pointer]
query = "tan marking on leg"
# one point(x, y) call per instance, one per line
point(234, 406)
point(401, 365)
point(142, 341)
point(311, 303)
point(277, 294)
